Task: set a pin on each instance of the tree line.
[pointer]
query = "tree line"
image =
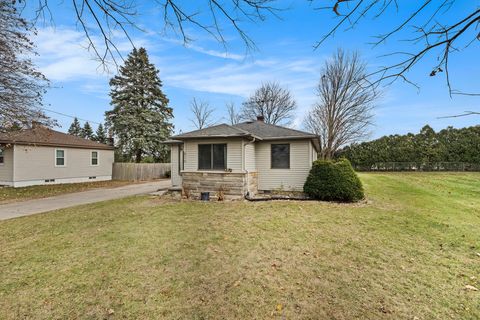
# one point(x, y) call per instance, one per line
point(86, 132)
point(427, 146)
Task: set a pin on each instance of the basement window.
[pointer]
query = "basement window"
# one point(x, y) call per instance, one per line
point(2, 157)
point(212, 156)
point(280, 156)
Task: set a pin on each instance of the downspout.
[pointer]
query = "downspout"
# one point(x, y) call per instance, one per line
point(244, 167)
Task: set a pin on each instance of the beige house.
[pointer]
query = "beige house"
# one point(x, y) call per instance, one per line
point(246, 158)
point(44, 156)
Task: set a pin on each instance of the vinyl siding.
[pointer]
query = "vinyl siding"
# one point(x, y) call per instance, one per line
point(38, 163)
point(176, 178)
point(6, 169)
point(234, 153)
point(286, 179)
point(250, 163)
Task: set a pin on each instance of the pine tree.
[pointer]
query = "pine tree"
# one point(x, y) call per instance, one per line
point(87, 131)
point(100, 134)
point(75, 128)
point(140, 116)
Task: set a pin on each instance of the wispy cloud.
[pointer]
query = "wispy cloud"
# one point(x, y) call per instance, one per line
point(64, 55)
point(64, 58)
point(224, 54)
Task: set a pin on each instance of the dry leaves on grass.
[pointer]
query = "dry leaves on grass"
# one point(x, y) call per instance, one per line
point(471, 288)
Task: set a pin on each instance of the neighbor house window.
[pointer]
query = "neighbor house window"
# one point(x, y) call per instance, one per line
point(94, 160)
point(2, 157)
point(280, 156)
point(59, 157)
point(212, 156)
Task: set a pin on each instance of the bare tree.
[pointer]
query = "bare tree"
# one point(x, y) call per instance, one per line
point(424, 26)
point(422, 33)
point(106, 17)
point(202, 114)
point(21, 85)
point(233, 116)
point(274, 103)
point(343, 112)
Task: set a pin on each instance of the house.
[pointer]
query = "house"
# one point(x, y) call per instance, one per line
point(250, 157)
point(43, 156)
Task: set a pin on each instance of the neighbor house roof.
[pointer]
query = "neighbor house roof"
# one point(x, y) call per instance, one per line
point(250, 129)
point(42, 136)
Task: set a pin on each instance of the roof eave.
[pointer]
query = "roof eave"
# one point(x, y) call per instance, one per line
point(222, 136)
point(64, 145)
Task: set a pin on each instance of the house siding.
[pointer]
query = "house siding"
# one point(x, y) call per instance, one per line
point(6, 169)
point(234, 153)
point(291, 179)
point(250, 163)
point(176, 178)
point(36, 163)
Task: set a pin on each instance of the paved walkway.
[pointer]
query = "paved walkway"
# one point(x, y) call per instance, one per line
point(25, 208)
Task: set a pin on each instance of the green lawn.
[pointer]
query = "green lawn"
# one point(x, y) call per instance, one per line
point(8, 194)
point(407, 253)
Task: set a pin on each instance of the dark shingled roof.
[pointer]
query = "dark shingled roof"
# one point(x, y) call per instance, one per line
point(266, 131)
point(218, 131)
point(42, 136)
point(253, 129)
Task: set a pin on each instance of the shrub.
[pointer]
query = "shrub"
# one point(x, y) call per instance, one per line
point(333, 181)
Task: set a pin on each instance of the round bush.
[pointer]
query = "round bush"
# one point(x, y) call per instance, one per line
point(333, 181)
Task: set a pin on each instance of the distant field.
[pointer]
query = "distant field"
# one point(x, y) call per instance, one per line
point(8, 194)
point(408, 252)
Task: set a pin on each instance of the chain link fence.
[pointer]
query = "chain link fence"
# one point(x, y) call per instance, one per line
point(418, 166)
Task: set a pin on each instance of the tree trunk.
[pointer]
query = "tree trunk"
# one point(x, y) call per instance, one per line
point(138, 156)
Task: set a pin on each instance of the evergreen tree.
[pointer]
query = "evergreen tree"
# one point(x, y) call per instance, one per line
point(87, 131)
point(75, 128)
point(140, 116)
point(100, 134)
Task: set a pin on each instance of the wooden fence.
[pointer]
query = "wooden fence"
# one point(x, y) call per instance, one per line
point(140, 171)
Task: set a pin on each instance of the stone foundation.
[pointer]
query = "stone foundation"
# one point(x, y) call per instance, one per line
point(221, 185)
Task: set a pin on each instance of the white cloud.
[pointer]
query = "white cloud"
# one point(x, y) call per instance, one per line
point(63, 57)
point(64, 54)
point(242, 78)
point(225, 54)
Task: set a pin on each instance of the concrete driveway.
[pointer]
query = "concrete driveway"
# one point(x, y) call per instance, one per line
point(25, 208)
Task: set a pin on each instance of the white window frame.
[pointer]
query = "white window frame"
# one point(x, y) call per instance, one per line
point(2, 151)
point(64, 158)
point(91, 158)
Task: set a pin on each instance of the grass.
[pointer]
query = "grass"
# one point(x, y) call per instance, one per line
point(406, 253)
point(8, 194)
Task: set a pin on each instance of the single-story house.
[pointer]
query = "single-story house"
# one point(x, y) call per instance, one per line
point(246, 158)
point(43, 156)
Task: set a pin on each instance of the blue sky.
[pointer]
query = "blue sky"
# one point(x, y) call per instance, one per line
point(285, 54)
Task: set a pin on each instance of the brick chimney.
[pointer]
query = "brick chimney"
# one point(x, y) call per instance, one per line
point(261, 118)
point(36, 124)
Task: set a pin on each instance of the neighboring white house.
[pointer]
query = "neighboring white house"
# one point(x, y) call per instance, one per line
point(248, 157)
point(44, 156)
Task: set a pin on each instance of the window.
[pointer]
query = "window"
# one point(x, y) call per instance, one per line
point(280, 156)
point(94, 158)
point(2, 157)
point(59, 158)
point(212, 156)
